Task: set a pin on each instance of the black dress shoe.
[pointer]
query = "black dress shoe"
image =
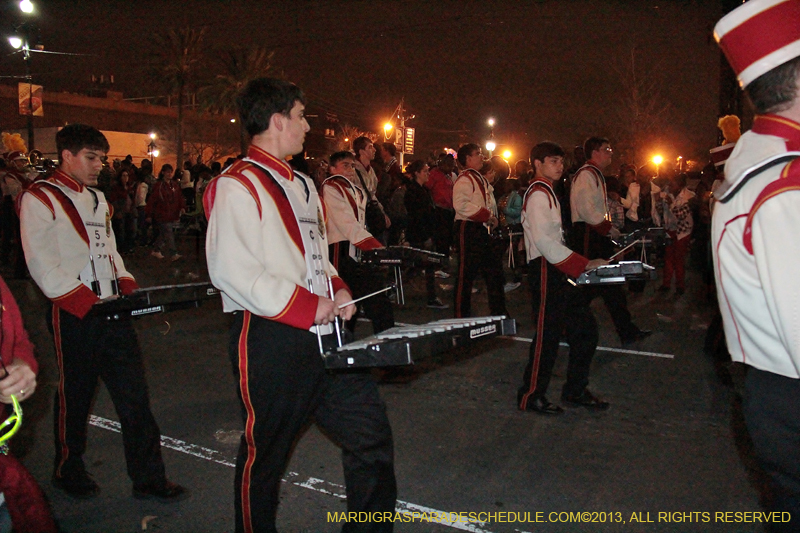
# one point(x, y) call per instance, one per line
point(542, 406)
point(79, 485)
point(165, 491)
point(585, 399)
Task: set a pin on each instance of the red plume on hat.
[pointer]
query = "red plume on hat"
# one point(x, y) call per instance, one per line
point(758, 36)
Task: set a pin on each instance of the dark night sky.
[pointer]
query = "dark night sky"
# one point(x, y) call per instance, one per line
point(543, 69)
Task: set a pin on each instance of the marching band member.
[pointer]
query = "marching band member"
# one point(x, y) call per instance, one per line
point(476, 217)
point(268, 254)
point(755, 244)
point(557, 304)
point(345, 201)
point(591, 229)
point(71, 253)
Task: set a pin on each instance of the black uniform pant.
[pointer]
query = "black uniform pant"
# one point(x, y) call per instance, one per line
point(363, 280)
point(773, 420)
point(92, 348)
point(592, 245)
point(557, 307)
point(283, 386)
point(443, 233)
point(476, 255)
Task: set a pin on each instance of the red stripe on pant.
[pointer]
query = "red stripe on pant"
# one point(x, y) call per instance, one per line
point(248, 430)
point(62, 398)
point(461, 262)
point(335, 258)
point(539, 337)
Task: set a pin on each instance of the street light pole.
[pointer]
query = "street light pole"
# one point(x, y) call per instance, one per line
point(27, 56)
point(25, 32)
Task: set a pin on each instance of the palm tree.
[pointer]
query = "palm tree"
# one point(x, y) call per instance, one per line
point(176, 63)
point(240, 66)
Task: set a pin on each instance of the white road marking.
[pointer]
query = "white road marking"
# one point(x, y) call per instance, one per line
point(312, 483)
point(604, 348)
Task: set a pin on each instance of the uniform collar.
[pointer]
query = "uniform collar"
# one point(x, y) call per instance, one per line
point(270, 161)
point(543, 181)
point(591, 163)
point(778, 126)
point(61, 177)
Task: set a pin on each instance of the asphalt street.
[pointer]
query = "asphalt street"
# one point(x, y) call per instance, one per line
point(671, 454)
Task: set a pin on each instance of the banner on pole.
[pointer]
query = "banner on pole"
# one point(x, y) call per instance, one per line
point(28, 104)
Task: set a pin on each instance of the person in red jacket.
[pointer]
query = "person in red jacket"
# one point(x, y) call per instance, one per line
point(22, 499)
point(440, 183)
point(166, 204)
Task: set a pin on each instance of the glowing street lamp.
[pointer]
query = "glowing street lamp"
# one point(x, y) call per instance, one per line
point(26, 6)
point(151, 148)
point(490, 145)
point(490, 122)
point(507, 154)
point(658, 160)
point(15, 42)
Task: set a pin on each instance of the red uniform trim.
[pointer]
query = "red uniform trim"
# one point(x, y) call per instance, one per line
point(37, 193)
point(127, 285)
point(339, 284)
point(301, 306)
point(210, 196)
point(284, 208)
point(78, 301)
point(62, 397)
point(335, 258)
point(63, 178)
point(343, 184)
point(572, 266)
point(482, 215)
point(370, 243)
point(68, 207)
point(721, 284)
point(539, 184)
point(779, 127)
point(537, 354)
point(236, 171)
point(282, 167)
point(740, 47)
point(244, 390)
point(789, 181)
point(602, 228)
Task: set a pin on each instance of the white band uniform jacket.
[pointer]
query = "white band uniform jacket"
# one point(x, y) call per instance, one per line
point(588, 202)
point(472, 197)
point(345, 203)
point(757, 249)
point(56, 242)
point(541, 222)
point(254, 249)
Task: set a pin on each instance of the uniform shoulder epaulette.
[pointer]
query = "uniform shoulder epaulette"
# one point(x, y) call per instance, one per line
point(36, 189)
point(540, 186)
point(789, 180)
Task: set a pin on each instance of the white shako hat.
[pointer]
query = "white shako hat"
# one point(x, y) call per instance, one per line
point(758, 36)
